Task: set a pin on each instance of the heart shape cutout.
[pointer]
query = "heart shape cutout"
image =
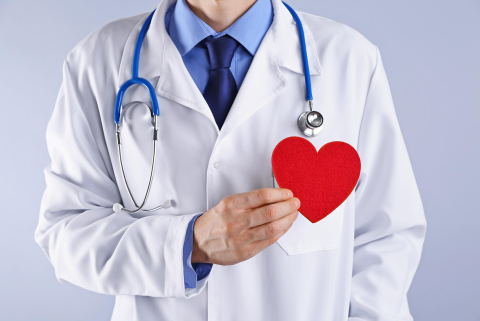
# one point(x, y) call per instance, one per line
point(321, 181)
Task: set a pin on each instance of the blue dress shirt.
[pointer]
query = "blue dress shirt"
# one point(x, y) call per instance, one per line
point(187, 31)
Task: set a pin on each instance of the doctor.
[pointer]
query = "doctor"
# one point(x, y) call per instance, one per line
point(229, 81)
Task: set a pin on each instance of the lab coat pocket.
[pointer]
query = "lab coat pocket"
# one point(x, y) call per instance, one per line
point(305, 236)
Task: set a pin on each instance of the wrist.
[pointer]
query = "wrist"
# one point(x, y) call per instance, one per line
point(198, 254)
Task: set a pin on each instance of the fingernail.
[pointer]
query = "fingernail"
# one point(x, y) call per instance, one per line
point(290, 194)
point(296, 214)
point(297, 202)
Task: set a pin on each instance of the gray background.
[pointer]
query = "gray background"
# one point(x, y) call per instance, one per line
point(431, 52)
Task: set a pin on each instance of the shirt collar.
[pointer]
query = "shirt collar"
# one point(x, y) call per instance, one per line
point(184, 27)
point(250, 28)
point(187, 30)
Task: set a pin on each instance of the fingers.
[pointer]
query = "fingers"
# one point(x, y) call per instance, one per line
point(272, 212)
point(272, 229)
point(258, 246)
point(259, 197)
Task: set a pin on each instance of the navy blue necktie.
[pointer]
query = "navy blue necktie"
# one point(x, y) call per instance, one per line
point(221, 87)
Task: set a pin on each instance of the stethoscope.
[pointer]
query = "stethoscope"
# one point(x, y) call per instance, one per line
point(309, 123)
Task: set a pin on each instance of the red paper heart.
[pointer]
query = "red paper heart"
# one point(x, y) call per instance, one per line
point(322, 181)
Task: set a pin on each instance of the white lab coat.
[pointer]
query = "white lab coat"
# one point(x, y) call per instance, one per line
point(356, 264)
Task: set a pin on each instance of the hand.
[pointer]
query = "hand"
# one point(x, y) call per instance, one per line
point(242, 225)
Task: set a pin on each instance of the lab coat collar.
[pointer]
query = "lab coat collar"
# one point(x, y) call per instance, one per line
point(264, 80)
point(160, 59)
point(161, 62)
point(287, 42)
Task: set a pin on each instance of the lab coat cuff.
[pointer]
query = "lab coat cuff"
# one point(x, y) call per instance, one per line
point(196, 271)
point(177, 285)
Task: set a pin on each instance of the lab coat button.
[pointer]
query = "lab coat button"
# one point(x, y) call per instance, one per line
point(216, 165)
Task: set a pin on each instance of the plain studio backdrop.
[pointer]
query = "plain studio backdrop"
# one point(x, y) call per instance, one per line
point(431, 53)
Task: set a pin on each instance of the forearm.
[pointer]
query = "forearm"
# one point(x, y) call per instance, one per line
point(111, 253)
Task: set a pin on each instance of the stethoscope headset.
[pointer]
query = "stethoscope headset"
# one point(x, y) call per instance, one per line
point(310, 123)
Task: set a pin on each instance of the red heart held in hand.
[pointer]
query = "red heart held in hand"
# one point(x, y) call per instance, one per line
point(322, 181)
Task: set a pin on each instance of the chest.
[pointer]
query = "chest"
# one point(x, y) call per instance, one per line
point(197, 165)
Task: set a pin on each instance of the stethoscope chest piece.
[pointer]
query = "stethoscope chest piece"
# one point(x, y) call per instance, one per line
point(310, 123)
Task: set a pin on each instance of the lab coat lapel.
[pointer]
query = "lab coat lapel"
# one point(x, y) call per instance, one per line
point(160, 59)
point(176, 84)
point(280, 47)
point(263, 81)
point(287, 42)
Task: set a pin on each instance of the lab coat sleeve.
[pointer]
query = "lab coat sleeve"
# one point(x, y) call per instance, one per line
point(390, 224)
point(89, 244)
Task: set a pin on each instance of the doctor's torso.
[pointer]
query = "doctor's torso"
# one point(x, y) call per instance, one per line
point(307, 274)
point(197, 165)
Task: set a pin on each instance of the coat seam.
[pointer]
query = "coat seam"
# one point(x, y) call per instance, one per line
point(367, 95)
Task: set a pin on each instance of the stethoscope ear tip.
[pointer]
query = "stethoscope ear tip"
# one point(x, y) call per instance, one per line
point(117, 207)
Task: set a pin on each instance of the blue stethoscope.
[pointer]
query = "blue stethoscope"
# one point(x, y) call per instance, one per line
point(310, 123)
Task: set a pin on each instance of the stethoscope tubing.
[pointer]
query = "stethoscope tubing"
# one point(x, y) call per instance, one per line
point(303, 47)
point(152, 170)
point(155, 110)
point(135, 79)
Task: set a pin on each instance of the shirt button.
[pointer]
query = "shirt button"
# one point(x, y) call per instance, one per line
point(216, 165)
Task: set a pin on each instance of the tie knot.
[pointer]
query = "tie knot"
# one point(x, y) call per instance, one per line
point(220, 51)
